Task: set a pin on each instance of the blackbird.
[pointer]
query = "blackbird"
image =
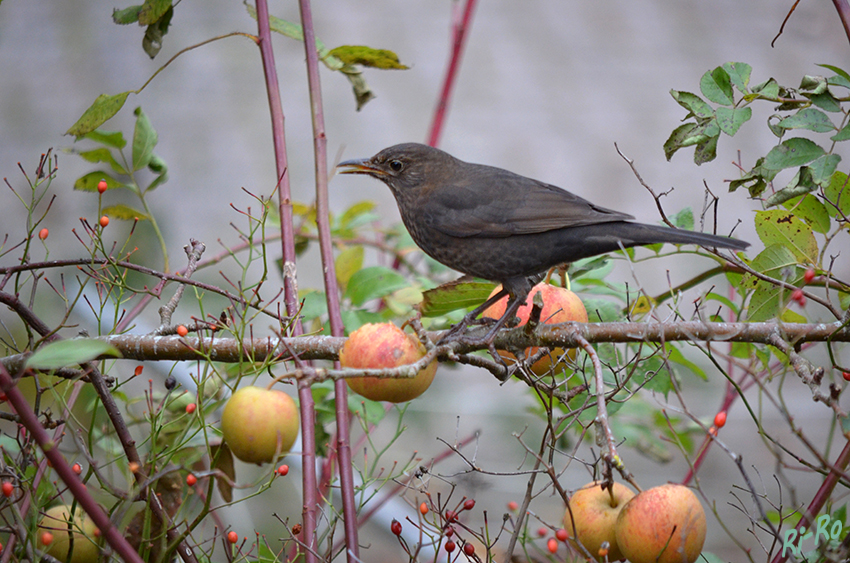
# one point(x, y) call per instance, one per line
point(493, 224)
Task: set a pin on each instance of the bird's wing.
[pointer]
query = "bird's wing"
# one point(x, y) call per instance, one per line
point(506, 204)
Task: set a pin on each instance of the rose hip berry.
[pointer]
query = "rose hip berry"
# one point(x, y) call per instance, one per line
point(542, 532)
point(552, 545)
point(720, 419)
point(76, 468)
point(104, 221)
point(43, 233)
point(450, 546)
point(797, 295)
point(8, 489)
point(46, 538)
point(283, 470)
point(191, 480)
point(512, 506)
point(562, 535)
point(809, 275)
point(232, 537)
point(182, 330)
point(395, 527)
point(102, 186)
point(190, 408)
point(469, 504)
point(451, 516)
point(846, 375)
point(423, 508)
point(469, 549)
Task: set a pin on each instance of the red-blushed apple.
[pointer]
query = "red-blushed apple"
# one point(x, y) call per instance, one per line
point(258, 422)
point(663, 524)
point(559, 306)
point(594, 511)
point(81, 529)
point(384, 345)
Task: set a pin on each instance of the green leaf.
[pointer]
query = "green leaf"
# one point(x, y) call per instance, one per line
point(675, 355)
point(731, 119)
point(778, 226)
point(89, 182)
point(372, 412)
point(602, 311)
point(153, 10)
point(769, 89)
point(823, 168)
point(693, 104)
point(755, 180)
point(114, 139)
point(837, 195)
point(127, 15)
point(72, 352)
point(808, 118)
point(103, 155)
point(675, 141)
point(452, 296)
point(842, 135)
point(717, 87)
point(791, 153)
point(812, 211)
point(157, 165)
point(706, 151)
point(684, 219)
point(157, 182)
point(372, 283)
point(739, 75)
point(778, 262)
point(367, 56)
point(839, 71)
point(347, 263)
point(144, 140)
point(154, 34)
point(103, 108)
point(358, 214)
point(800, 184)
point(125, 213)
point(826, 102)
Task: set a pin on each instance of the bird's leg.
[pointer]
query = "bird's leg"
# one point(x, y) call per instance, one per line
point(470, 318)
point(510, 313)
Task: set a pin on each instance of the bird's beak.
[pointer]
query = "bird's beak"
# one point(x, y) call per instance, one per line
point(360, 166)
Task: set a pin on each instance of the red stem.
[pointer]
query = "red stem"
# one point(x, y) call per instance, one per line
point(458, 41)
point(349, 507)
point(843, 9)
point(305, 396)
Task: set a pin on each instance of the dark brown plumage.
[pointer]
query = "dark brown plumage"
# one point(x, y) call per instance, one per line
point(493, 224)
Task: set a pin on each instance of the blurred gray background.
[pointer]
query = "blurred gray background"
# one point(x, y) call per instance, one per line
point(545, 89)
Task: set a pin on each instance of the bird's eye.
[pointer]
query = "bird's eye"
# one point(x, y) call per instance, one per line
point(396, 165)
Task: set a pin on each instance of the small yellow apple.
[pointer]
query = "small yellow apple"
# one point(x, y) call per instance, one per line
point(256, 422)
point(595, 515)
point(559, 306)
point(81, 530)
point(663, 524)
point(384, 345)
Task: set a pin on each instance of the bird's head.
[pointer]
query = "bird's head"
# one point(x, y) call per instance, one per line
point(402, 167)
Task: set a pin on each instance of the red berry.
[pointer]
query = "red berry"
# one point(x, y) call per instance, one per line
point(283, 470)
point(423, 508)
point(102, 186)
point(43, 233)
point(809, 275)
point(76, 468)
point(451, 516)
point(562, 535)
point(395, 527)
point(512, 506)
point(190, 408)
point(232, 536)
point(182, 330)
point(104, 221)
point(8, 489)
point(138, 371)
point(46, 538)
point(603, 551)
point(720, 419)
point(469, 504)
point(552, 545)
point(846, 375)
point(450, 532)
point(797, 295)
point(469, 549)
point(542, 532)
point(450, 546)
point(191, 480)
